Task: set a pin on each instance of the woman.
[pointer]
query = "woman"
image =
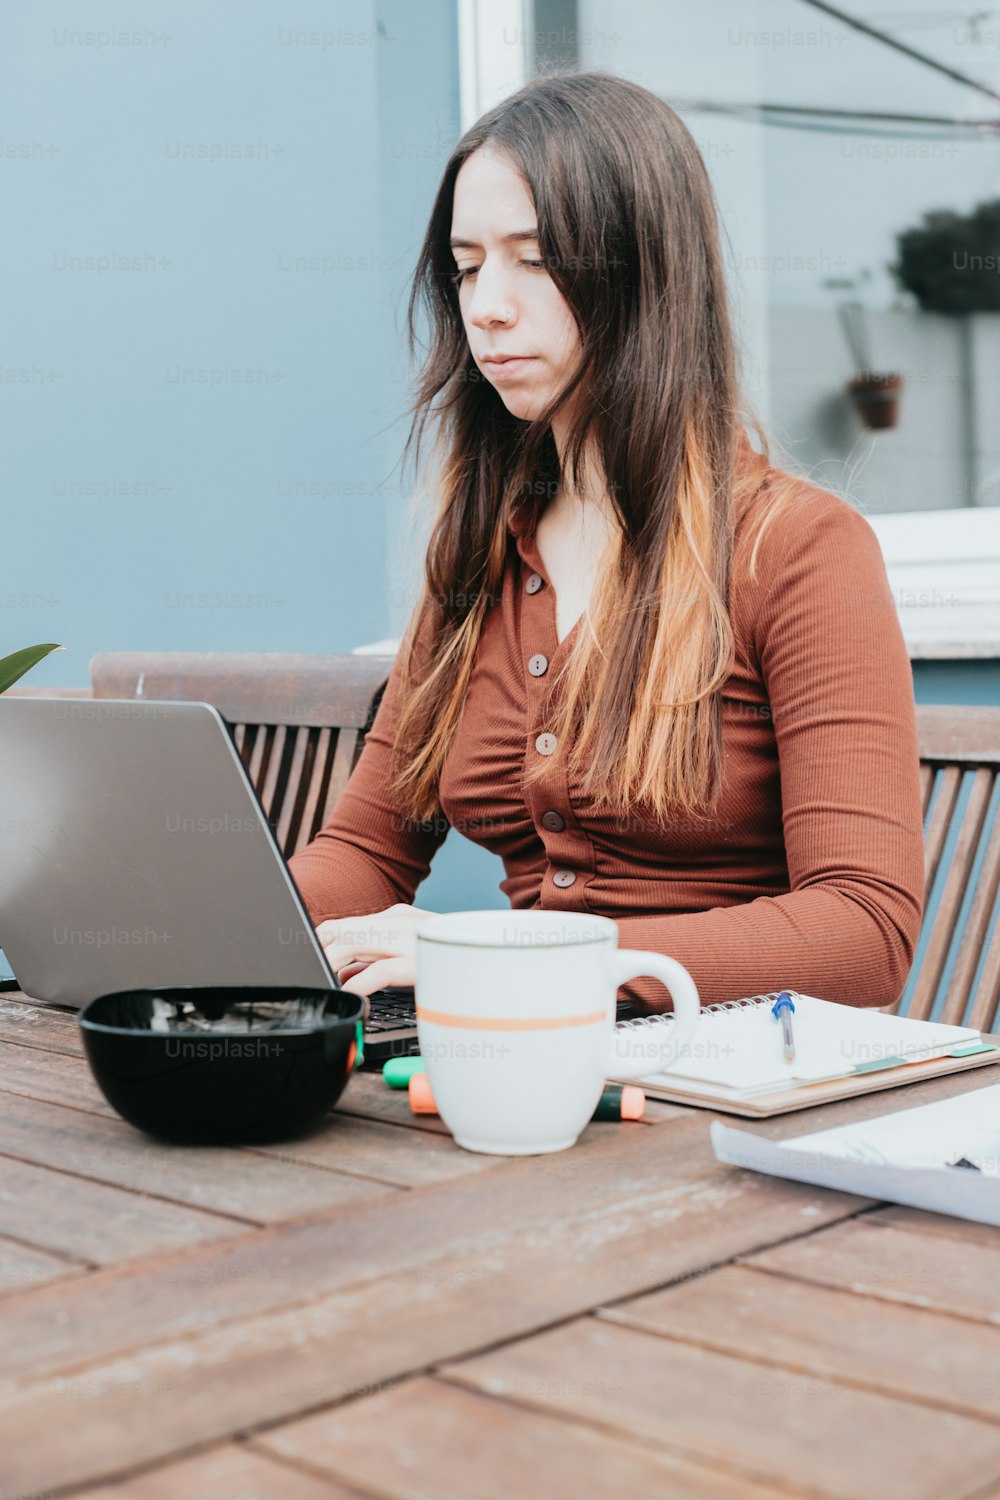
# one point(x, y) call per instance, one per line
point(662, 678)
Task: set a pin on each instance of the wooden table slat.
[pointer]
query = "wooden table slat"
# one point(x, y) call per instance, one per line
point(769, 1423)
point(931, 1271)
point(240, 1184)
point(361, 1145)
point(74, 1216)
point(34, 1025)
point(23, 1266)
point(453, 1444)
point(834, 1335)
point(235, 1472)
point(919, 1221)
point(52, 1077)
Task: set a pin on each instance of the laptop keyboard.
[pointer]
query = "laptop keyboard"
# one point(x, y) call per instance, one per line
point(391, 1010)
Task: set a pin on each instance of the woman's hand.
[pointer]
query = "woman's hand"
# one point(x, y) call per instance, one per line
point(376, 951)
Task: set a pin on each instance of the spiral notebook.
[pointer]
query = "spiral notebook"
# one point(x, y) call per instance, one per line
point(735, 1060)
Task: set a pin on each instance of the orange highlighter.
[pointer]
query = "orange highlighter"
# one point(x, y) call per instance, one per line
point(617, 1102)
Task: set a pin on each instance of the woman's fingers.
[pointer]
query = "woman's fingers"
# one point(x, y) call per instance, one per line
point(385, 973)
point(353, 944)
point(349, 970)
point(366, 937)
point(350, 945)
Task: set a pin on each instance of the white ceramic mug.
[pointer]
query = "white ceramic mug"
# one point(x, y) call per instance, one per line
point(516, 1018)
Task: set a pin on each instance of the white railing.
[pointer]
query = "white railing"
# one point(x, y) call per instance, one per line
point(944, 571)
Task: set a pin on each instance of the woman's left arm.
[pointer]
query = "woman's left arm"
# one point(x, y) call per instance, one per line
point(837, 674)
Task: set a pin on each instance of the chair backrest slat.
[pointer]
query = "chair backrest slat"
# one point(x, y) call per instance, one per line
point(926, 787)
point(302, 802)
point(984, 1004)
point(319, 784)
point(976, 927)
point(949, 784)
point(260, 754)
point(284, 795)
point(959, 735)
point(274, 775)
point(345, 754)
point(249, 688)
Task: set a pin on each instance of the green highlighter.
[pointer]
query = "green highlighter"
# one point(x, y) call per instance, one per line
point(398, 1071)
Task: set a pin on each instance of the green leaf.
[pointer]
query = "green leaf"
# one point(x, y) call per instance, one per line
point(14, 666)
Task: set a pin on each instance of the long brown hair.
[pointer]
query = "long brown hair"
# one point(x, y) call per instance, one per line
point(628, 228)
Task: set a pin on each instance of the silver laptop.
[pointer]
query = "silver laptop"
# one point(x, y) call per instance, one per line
point(134, 853)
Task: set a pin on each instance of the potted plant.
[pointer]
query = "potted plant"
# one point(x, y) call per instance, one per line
point(14, 666)
point(875, 393)
point(950, 261)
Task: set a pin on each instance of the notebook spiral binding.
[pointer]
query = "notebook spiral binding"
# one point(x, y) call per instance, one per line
point(746, 1002)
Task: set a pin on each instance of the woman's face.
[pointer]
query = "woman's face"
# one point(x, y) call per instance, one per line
point(510, 304)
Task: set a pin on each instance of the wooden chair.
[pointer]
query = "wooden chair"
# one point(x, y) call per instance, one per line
point(959, 761)
point(299, 721)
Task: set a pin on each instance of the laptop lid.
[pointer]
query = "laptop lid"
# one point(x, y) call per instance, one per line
point(134, 853)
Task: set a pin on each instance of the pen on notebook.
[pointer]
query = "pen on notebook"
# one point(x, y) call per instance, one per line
point(783, 1008)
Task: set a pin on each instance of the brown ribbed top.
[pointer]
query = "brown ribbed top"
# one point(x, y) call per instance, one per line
point(810, 875)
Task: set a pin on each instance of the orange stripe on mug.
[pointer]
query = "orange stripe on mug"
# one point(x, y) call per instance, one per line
point(508, 1023)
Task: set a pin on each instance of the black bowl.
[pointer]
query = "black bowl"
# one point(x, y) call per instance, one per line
point(223, 1064)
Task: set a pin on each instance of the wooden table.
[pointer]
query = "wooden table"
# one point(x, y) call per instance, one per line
point(375, 1312)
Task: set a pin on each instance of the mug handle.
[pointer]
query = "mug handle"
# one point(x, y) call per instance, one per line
point(657, 1054)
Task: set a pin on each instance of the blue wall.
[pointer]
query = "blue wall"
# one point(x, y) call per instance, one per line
point(156, 498)
point(969, 682)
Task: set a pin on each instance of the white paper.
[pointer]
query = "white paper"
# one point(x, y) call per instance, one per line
point(900, 1157)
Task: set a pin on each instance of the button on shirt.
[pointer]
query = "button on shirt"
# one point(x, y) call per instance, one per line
point(810, 873)
point(569, 852)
